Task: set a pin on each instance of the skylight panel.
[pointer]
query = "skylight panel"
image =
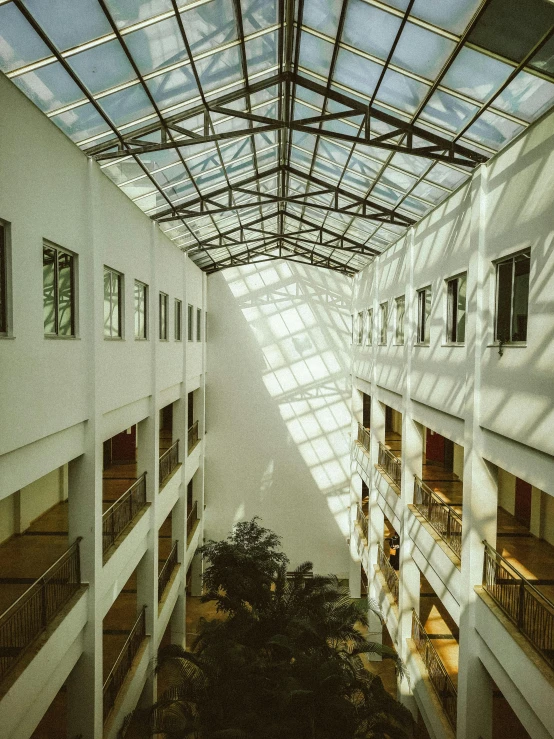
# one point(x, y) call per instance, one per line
point(258, 14)
point(209, 25)
point(70, 24)
point(315, 53)
point(81, 123)
point(217, 69)
point(369, 28)
point(128, 12)
point(323, 15)
point(493, 130)
point(421, 51)
point(20, 45)
point(476, 75)
point(49, 87)
point(356, 73)
point(261, 52)
point(102, 67)
point(157, 46)
point(448, 112)
point(526, 96)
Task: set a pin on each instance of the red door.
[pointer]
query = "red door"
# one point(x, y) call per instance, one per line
point(434, 449)
point(124, 446)
point(523, 502)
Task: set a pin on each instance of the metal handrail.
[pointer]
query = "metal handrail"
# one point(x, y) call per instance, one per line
point(440, 679)
point(167, 569)
point(31, 613)
point(168, 462)
point(120, 514)
point(530, 610)
point(193, 437)
point(191, 518)
point(391, 464)
point(364, 436)
point(442, 516)
point(389, 573)
point(363, 522)
point(122, 665)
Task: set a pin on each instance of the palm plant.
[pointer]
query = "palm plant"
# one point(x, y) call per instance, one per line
point(285, 663)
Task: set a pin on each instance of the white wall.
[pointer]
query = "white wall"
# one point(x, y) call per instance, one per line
point(56, 193)
point(278, 415)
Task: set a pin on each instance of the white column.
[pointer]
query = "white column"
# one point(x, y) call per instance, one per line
point(479, 486)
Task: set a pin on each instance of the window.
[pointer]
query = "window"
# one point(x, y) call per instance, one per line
point(141, 310)
point(178, 320)
point(424, 315)
point(164, 317)
point(190, 322)
point(369, 335)
point(456, 310)
point(198, 324)
point(113, 304)
point(3, 280)
point(58, 281)
point(360, 328)
point(383, 318)
point(400, 313)
point(512, 298)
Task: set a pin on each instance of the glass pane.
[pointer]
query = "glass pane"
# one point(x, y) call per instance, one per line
point(116, 296)
point(70, 24)
point(102, 67)
point(526, 96)
point(19, 44)
point(65, 294)
point(370, 29)
point(400, 310)
point(49, 87)
point(461, 309)
point(369, 327)
point(476, 75)
point(315, 54)
point(422, 51)
point(49, 289)
point(521, 297)
point(157, 46)
point(128, 12)
point(427, 315)
point(323, 15)
point(356, 73)
point(493, 130)
point(448, 111)
point(210, 25)
point(258, 14)
point(107, 302)
point(137, 311)
point(503, 300)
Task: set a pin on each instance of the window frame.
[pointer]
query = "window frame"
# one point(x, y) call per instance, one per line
point(73, 282)
point(423, 330)
point(146, 312)
point(190, 322)
point(199, 324)
point(5, 282)
point(451, 316)
point(120, 304)
point(163, 317)
point(360, 328)
point(497, 263)
point(399, 341)
point(383, 324)
point(178, 320)
point(369, 335)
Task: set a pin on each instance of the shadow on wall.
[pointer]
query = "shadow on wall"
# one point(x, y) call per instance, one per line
point(278, 415)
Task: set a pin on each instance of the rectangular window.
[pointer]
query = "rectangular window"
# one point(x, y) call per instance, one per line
point(456, 310)
point(141, 310)
point(360, 328)
point(190, 323)
point(164, 317)
point(400, 312)
point(383, 319)
point(58, 281)
point(113, 304)
point(3, 281)
point(178, 320)
point(512, 298)
point(424, 315)
point(198, 324)
point(369, 335)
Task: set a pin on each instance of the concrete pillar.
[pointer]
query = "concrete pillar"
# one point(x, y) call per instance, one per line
point(197, 568)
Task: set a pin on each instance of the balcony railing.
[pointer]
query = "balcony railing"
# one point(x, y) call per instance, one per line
point(442, 517)
point(166, 571)
point(168, 461)
point(122, 512)
point(123, 663)
point(391, 464)
point(31, 613)
point(440, 679)
point(191, 519)
point(193, 437)
point(362, 521)
point(388, 572)
point(363, 436)
point(527, 607)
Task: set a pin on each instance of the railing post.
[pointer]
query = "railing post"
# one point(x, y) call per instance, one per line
point(521, 605)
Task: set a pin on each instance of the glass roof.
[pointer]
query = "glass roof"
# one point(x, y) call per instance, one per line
point(311, 130)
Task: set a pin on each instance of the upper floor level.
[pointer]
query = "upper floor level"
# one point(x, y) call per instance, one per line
point(463, 304)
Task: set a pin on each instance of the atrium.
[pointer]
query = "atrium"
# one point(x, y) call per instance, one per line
point(297, 263)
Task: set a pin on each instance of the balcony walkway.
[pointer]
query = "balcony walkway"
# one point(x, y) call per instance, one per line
point(440, 628)
point(116, 480)
point(118, 622)
point(393, 442)
point(532, 557)
point(444, 483)
point(25, 557)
